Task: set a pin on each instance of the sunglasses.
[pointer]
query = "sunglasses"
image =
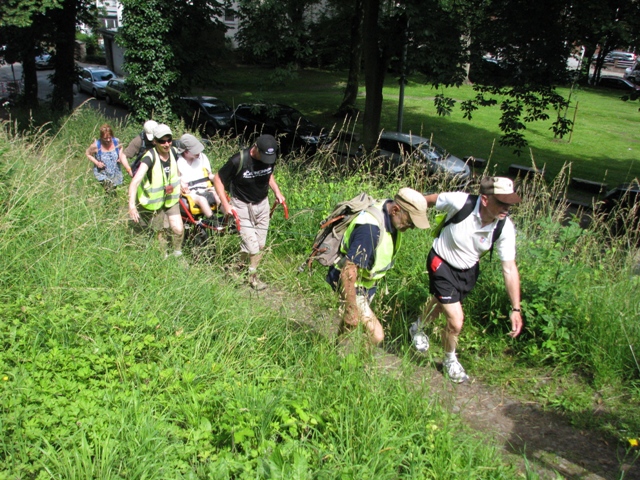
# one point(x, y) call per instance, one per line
point(165, 141)
point(502, 204)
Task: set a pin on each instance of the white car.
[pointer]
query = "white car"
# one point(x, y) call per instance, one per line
point(400, 147)
point(93, 80)
point(633, 73)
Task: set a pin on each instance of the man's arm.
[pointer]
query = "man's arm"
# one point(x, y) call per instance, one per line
point(133, 191)
point(219, 186)
point(431, 199)
point(134, 146)
point(512, 284)
point(276, 189)
point(348, 276)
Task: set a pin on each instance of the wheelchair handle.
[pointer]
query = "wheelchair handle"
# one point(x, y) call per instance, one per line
point(284, 205)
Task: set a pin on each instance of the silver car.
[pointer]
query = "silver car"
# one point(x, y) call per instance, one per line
point(93, 80)
point(400, 147)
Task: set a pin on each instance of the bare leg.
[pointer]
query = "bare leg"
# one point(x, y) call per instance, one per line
point(203, 203)
point(455, 318)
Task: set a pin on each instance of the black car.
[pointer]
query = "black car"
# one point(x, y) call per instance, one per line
point(621, 207)
point(618, 83)
point(209, 115)
point(293, 131)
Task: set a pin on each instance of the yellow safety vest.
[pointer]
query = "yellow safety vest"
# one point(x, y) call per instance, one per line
point(152, 194)
point(385, 251)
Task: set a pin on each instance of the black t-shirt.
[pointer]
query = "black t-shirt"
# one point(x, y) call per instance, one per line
point(251, 183)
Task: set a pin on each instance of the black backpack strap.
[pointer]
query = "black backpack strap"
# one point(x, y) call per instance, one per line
point(463, 213)
point(496, 235)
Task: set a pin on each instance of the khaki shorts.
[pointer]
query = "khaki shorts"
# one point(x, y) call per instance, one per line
point(158, 219)
point(254, 223)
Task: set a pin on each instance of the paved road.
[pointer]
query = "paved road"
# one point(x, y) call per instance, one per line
point(9, 73)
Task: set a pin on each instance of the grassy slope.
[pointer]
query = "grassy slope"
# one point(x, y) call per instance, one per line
point(117, 364)
point(605, 145)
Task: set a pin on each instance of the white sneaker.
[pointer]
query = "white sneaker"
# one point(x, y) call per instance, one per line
point(419, 339)
point(455, 371)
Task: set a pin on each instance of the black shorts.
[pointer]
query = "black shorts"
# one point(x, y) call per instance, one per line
point(449, 284)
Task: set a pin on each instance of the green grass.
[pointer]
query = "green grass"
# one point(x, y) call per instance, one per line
point(604, 147)
point(115, 363)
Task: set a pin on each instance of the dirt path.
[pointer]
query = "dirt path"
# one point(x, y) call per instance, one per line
point(552, 447)
point(522, 429)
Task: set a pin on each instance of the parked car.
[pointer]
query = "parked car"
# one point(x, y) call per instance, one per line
point(44, 62)
point(619, 83)
point(93, 80)
point(399, 148)
point(113, 92)
point(209, 115)
point(293, 131)
point(633, 73)
point(619, 56)
point(621, 206)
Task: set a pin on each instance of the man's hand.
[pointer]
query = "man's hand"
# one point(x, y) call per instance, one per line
point(516, 324)
point(133, 214)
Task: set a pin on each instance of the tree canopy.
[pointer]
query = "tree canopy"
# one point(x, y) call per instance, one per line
point(169, 47)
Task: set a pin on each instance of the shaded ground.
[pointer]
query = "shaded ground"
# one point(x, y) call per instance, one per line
point(527, 434)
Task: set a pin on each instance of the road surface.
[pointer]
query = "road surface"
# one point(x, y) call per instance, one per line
point(10, 73)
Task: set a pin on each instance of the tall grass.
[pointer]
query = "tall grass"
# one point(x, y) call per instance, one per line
point(115, 363)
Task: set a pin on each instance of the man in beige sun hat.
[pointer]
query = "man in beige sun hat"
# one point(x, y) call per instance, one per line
point(473, 225)
point(367, 253)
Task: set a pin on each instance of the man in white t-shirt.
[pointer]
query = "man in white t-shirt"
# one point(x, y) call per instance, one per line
point(195, 175)
point(453, 263)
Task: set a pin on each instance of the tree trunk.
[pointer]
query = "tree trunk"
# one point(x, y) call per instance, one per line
point(29, 75)
point(375, 64)
point(65, 39)
point(348, 106)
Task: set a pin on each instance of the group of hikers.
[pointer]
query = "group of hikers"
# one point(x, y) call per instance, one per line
point(164, 169)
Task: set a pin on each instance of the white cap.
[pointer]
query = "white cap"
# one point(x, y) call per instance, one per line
point(149, 127)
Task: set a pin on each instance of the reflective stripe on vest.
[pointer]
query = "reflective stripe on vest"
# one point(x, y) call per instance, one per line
point(385, 251)
point(151, 194)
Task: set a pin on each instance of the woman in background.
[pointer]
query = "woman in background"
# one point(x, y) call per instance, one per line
point(107, 155)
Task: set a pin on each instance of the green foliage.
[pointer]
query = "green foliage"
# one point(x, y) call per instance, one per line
point(160, 48)
point(149, 59)
point(285, 41)
point(115, 363)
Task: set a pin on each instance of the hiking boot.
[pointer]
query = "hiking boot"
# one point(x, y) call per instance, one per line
point(257, 284)
point(455, 371)
point(419, 339)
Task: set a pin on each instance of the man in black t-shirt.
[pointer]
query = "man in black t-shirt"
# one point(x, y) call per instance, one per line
point(249, 175)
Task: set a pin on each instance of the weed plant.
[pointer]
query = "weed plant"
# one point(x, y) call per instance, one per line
point(115, 363)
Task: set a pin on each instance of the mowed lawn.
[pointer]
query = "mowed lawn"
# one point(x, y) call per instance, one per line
point(604, 146)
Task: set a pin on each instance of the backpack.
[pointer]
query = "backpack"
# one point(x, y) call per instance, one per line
point(115, 144)
point(463, 213)
point(244, 162)
point(326, 245)
point(144, 147)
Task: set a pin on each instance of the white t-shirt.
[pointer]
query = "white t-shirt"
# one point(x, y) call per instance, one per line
point(461, 244)
point(189, 173)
